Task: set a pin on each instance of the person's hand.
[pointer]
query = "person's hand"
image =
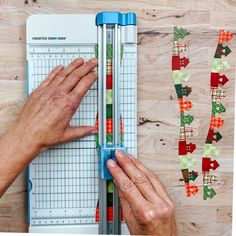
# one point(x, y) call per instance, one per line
point(146, 205)
point(45, 117)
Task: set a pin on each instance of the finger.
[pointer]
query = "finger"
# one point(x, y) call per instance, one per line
point(68, 70)
point(138, 177)
point(155, 181)
point(127, 212)
point(51, 76)
point(126, 186)
point(72, 133)
point(82, 87)
point(70, 82)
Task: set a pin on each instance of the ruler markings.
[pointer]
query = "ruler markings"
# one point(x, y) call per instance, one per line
point(65, 178)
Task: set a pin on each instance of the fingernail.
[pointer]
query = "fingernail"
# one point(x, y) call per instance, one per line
point(79, 60)
point(119, 153)
point(94, 131)
point(94, 60)
point(59, 67)
point(111, 163)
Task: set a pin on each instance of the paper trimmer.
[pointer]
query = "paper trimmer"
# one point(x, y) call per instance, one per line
point(64, 182)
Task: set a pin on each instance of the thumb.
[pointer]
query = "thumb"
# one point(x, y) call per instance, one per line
point(76, 132)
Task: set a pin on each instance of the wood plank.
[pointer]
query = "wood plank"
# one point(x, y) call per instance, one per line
point(118, 5)
point(158, 112)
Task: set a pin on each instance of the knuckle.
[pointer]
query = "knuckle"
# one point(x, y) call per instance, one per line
point(89, 65)
point(55, 71)
point(152, 175)
point(93, 76)
point(88, 81)
point(74, 76)
point(138, 163)
point(172, 207)
point(34, 94)
point(81, 90)
point(84, 86)
point(53, 74)
point(166, 210)
point(69, 104)
point(83, 70)
point(126, 162)
point(62, 100)
point(139, 178)
point(62, 75)
point(57, 93)
point(127, 185)
point(77, 62)
point(149, 217)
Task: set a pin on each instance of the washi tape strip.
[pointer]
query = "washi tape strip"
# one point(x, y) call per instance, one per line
point(217, 81)
point(179, 62)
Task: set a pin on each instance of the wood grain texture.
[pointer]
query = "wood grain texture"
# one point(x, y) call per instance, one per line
point(157, 103)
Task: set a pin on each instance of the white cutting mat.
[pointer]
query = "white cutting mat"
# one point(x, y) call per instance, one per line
point(64, 179)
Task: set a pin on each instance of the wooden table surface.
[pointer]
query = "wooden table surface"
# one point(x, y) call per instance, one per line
point(157, 104)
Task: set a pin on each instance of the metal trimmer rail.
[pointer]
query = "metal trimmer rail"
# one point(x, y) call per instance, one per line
point(109, 33)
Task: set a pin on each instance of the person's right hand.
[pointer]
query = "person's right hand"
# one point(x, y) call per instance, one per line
point(147, 208)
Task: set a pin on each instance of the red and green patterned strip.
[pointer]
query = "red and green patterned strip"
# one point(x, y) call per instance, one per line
point(179, 76)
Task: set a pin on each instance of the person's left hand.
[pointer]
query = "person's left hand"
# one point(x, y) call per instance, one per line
point(47, 113)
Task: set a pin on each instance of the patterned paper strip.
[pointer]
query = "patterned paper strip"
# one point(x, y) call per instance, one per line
point(180, 76)
point(217, 81)
point(109, 131)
